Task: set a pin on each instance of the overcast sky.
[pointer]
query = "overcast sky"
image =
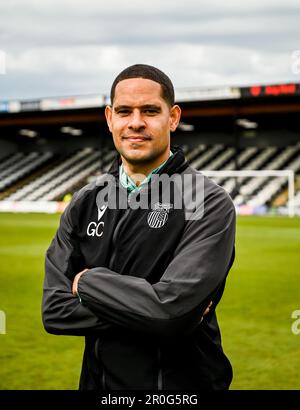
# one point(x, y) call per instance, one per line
point(77, 47)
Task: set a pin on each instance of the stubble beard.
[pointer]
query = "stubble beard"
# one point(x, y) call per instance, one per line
point(144, 159)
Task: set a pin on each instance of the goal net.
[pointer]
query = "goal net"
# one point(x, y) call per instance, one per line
point(258, 192)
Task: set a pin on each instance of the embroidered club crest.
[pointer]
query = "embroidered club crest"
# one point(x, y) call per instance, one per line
point(159, 215)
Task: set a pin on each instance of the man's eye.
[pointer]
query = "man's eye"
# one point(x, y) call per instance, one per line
point(151, 111)
point(123, 112)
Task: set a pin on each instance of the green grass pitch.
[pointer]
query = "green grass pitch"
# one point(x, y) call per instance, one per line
point(263, 289)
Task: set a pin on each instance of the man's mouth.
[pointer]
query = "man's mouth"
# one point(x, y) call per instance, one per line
point(136, 138)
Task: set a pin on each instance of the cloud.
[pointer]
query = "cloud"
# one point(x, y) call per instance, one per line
point(89, 59)
point(71, 46)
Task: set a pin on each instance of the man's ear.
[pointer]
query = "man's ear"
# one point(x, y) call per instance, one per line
point(108, 115)
point(175, 114)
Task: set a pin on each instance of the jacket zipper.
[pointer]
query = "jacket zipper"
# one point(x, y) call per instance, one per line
point(159, 373)
point(115, 237)
point(119, 224)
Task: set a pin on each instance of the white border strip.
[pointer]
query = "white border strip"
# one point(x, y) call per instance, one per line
point(49, 207)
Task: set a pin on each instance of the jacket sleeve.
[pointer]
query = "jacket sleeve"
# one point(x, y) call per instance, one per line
point(176, 303)
point(62, 312)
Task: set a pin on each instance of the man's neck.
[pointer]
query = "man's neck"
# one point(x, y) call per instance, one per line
point(138, 172)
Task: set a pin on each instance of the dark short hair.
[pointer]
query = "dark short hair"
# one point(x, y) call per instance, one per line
point(151, 73)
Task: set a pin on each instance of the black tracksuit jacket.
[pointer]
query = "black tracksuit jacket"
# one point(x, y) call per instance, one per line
point(141, 302)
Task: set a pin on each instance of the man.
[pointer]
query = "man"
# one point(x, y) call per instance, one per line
point(142, 284)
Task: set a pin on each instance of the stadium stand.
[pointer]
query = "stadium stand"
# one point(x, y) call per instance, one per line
point(10, 159)
point(297, 198)
point(23, 166)
point(279, 161)
point(84, 165)
point(61, 178)
point(205, 156)
point(77, 147)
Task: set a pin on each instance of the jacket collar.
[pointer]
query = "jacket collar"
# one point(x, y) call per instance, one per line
point(174, 165)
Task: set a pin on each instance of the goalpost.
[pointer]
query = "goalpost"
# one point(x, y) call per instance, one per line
point(288, 174)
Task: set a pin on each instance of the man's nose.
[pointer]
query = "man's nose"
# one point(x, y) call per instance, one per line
point(136, 121)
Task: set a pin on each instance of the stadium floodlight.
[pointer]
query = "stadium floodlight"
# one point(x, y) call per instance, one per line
point(76, 132)
point(65, 130)
point(71, 131)
point(186, 127)
point(247, 124)
point(28, 133)
point(287, 173)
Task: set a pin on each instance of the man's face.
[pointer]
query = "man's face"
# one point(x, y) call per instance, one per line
point(140, 121)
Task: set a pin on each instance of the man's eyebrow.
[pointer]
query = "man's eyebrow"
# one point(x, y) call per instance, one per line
point(121, 107)
point(143, 107)
point(151, 106)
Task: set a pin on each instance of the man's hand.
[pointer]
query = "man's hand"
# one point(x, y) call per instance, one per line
point(76, 280)
point(206, 311)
